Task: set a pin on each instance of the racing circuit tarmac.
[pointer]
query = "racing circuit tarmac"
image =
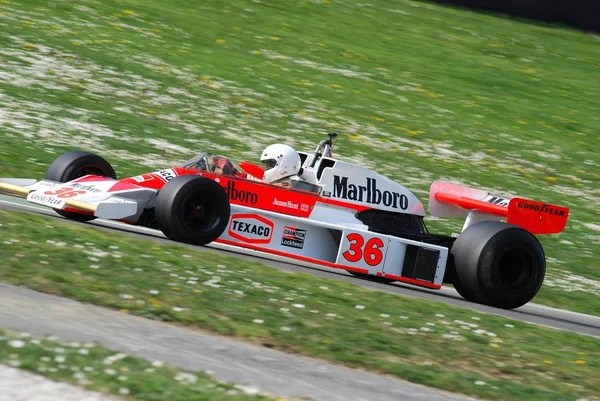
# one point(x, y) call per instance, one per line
point(253, 366)
point(532, 313)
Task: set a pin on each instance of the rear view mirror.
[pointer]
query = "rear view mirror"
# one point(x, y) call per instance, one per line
point(252, 169)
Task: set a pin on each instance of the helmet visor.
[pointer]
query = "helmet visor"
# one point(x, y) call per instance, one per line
point(268, 164)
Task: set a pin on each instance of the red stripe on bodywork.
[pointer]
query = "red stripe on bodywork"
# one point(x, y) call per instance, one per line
point(413, 281)
point(122, 186)
point(261, 195)
point(92, 178)
point(267, 193)
point(78, 211)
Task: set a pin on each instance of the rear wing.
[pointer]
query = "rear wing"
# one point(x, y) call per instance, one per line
point(453, 200)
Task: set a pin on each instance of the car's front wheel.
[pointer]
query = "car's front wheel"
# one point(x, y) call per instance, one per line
point(192, 209)
point(76, 164)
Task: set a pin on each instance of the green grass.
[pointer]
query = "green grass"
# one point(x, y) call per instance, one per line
point(426, 342)
point(417, 91)
point(97, 368)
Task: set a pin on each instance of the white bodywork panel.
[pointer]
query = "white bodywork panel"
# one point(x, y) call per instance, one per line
point(341, 245)
point(97, 196)
point(360, 186)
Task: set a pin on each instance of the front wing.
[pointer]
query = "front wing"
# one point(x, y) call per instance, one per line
point(91, 195)
point(343, 246)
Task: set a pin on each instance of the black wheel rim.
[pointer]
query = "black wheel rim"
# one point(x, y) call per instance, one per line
point(200, 212)
point(515, 269)
point(88, 170)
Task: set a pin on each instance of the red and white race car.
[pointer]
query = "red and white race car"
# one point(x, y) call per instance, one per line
point(338, 214)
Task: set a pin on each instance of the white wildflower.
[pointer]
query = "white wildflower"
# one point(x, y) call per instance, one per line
point(109, 360)
point(16, 343)
point(186, 377)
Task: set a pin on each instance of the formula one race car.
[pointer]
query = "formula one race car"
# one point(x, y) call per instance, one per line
point(335, 214)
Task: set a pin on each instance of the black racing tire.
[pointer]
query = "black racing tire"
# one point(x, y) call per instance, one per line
point(498, 264)
point(76, 164)
point(192, 209)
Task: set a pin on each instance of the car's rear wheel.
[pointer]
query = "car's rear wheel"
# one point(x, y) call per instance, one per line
point(192, 209)
point(77, 164)
point(498, 264)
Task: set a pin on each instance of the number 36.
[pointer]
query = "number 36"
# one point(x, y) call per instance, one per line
point(369, 252)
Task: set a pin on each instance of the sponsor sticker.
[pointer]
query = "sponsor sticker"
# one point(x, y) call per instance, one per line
point(46, 200)
point(293, 237)
point(166, 175)
point(87, 188)
point(118, 200)
point(143, 177)
point(497, 200)
point(251, 228)
point(286, 204)
point(368, 193)
point(541, 208)
point(44, 183)
point(241, 195)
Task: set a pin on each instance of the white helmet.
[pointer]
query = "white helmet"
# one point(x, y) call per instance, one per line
point(279, 161)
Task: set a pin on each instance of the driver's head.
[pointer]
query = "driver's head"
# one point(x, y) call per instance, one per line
point(279, 161)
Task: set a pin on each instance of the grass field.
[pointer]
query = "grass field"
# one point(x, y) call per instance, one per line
point(417, 91)
point(96, 368)
point(426, 342)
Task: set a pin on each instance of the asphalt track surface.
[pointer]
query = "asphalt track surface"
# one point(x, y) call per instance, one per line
point(252, 366)
point(532, 313)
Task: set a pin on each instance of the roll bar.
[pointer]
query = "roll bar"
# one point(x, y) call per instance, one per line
point(325, 148)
